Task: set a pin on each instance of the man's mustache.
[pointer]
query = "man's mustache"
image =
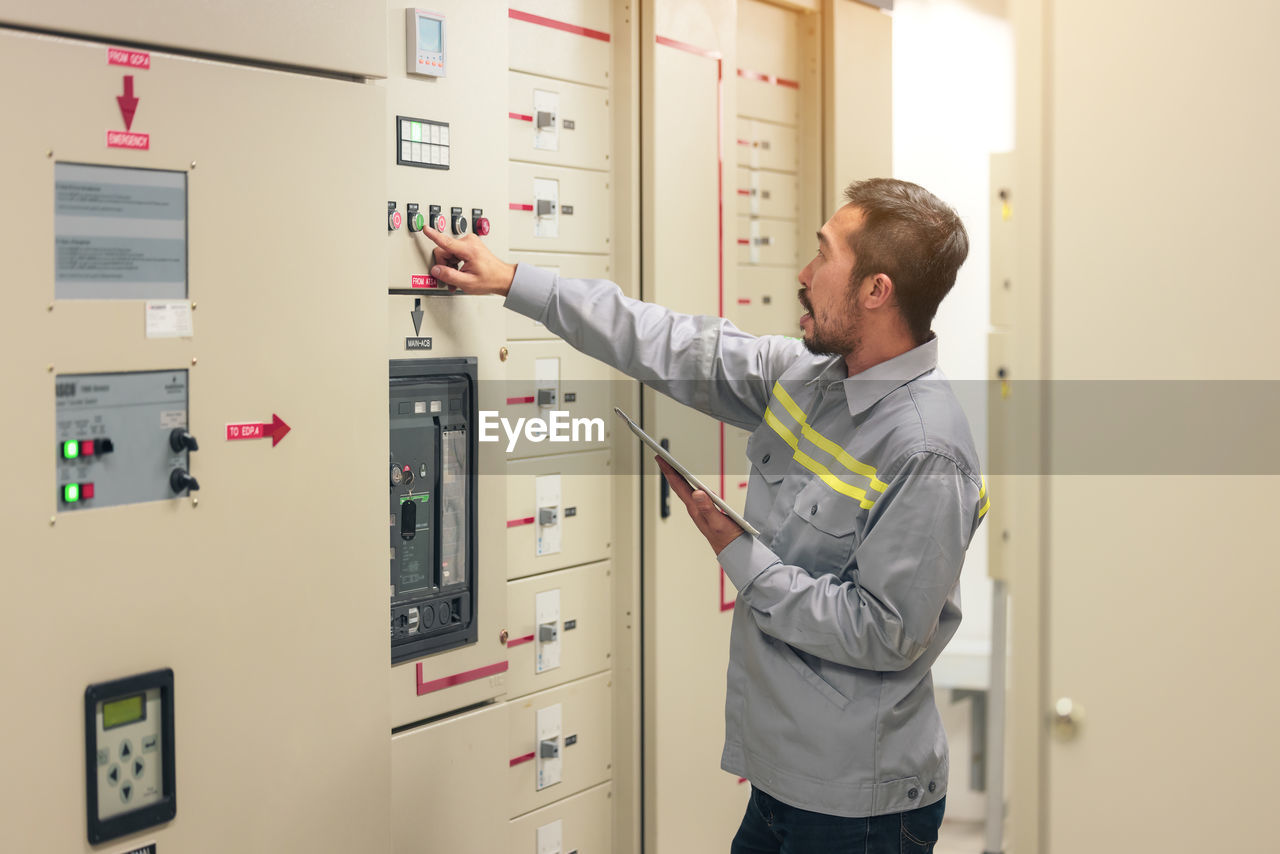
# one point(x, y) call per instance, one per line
point(804, 301)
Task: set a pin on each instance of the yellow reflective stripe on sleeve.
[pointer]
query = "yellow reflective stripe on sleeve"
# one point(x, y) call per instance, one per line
point(814, 466)
point(854, 465)
point(982, 493)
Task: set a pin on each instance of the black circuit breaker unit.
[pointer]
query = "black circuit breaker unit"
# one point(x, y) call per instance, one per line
point(432, 505)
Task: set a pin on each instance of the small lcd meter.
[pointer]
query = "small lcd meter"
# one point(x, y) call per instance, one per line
point(425, 44)
point(129, 772)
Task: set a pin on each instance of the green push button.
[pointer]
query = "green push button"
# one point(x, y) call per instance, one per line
point(71, 493)
point(70, 450)
point(416, 222)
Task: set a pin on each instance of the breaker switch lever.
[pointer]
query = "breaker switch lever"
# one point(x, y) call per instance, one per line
point(408, 519)
point(180, 440)
point(549, 748)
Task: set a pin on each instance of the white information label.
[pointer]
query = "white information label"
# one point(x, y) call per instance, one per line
point(550, 837)
point(169, 319)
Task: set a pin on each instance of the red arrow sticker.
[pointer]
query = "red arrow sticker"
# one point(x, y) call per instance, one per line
point(257, 430)
point(128, 103)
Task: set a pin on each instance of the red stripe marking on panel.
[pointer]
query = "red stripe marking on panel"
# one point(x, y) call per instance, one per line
point(520, 117)
point(742, 485)
point(515, 206)
point(519, 641)
point(458, 678)
point(744, 301)
point(511, 401)
point(744, 192)
point(744, 142)
point(768, 78)
point(528, 756)
point(742, 780)
point(557, 25)
point(744, 241)
point(516, 523)
point(688, 48)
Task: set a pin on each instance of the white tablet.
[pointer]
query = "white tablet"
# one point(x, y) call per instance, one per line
point(686, 474)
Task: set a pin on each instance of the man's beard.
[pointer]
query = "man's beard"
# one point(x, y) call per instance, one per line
point(832, 342)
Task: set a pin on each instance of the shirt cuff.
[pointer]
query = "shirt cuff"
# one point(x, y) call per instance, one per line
point(744, 559)
point(531, 291)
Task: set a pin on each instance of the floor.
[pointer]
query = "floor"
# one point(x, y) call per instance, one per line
point(960, 837)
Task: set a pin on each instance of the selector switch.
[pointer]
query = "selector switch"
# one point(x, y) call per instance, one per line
point(180, 479)
point(457, 222)
point(180, 440)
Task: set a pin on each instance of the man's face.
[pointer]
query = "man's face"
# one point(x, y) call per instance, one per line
point(832, 317)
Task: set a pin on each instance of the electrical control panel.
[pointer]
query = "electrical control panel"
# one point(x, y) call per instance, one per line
point(425, 52)
point(432, 479)
point(122, 438)
point(130, 782)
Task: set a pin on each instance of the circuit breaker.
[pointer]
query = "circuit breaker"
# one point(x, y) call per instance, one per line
point(432, 480)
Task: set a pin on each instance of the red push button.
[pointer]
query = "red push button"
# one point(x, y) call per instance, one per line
point(87, 448)
point(481, 226)
point(441, 223)
point(86, 490)
point(394, 220)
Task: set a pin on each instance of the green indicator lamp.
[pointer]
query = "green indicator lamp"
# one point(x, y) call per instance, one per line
point(71, 493)
point(70, 450)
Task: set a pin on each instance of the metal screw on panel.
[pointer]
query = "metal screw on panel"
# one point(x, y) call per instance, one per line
point(502, 637)
point(193, 360)
point(51, 369)
point(1067, 718)
point(53, 520)
point(503, 354)
point(195, 502)
point(50, 306)
point(194, 306)
point(193, 164)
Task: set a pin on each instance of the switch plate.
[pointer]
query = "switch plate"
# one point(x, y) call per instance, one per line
point(548, 496)
point(551, 838)
point(546, 124)
point(546, 208)
point(548, 728)
point(546, 609)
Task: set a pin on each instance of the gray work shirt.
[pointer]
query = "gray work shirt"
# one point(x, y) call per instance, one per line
point(866, 492)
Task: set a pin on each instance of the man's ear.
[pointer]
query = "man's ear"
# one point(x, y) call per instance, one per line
point(880, 292)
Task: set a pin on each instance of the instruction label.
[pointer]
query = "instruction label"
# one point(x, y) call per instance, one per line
point(119, 233)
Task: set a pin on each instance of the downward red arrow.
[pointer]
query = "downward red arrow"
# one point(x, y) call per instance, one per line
point(254, 430)
point(128, 103)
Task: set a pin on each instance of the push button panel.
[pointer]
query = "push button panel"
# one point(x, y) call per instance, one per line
point(120, 438)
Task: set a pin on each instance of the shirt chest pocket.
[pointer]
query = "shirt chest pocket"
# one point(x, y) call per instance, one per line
point(826, 527)
point(770, 457)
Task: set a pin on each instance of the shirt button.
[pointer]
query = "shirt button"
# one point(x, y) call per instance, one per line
point(813, 510)
point(913, 794)
point(933, 787)
point(765, 459)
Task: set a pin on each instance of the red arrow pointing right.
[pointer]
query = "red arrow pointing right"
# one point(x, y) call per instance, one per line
point(128, 103)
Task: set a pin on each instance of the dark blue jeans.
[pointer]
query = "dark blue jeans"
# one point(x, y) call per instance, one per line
point(777, 828)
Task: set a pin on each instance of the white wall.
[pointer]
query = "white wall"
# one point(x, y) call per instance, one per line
point(953, 106)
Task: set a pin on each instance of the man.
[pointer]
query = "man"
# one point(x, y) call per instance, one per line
point(865, 488)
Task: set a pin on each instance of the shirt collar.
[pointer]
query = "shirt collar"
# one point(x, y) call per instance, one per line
point(867, 388)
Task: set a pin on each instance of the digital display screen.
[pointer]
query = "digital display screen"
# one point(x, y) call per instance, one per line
point(429, 34)
point(124, 711)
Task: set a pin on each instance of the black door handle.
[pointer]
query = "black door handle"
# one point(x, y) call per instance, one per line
point(664, 500)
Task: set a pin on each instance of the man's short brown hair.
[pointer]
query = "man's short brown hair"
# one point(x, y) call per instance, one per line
point(914, 238)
